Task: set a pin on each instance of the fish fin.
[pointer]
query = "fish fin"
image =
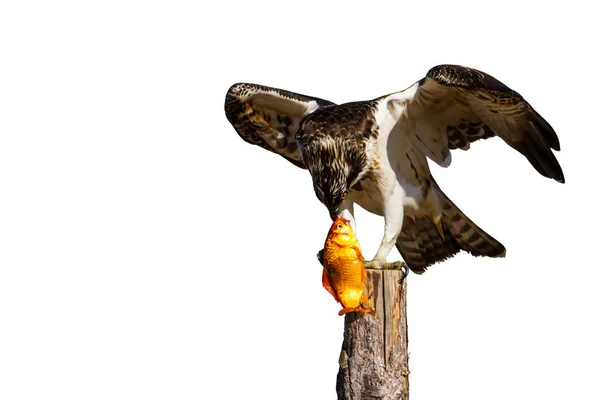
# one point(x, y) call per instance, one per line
point(364, 299)
point(327, 285)
point(358, 252)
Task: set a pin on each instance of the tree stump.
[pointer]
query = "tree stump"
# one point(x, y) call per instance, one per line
point(374, 356)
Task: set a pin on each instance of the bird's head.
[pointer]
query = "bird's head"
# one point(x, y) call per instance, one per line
point(331, 188)
point(332, 142)
point(335, 166)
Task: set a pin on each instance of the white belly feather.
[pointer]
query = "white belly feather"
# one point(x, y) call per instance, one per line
point(387, 186)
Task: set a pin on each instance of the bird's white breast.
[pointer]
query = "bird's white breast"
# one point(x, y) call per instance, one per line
point(387, 187)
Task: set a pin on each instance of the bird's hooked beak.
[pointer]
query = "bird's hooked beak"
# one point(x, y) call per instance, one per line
point(334, 213)
point(334, 209)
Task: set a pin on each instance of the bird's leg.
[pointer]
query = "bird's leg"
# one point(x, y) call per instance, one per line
point(379, 261)
point(393, 214)
point(384, 265)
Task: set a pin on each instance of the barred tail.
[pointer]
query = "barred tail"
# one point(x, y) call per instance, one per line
point(421, 244)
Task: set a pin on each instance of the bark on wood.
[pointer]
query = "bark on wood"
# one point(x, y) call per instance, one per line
point(374, 356)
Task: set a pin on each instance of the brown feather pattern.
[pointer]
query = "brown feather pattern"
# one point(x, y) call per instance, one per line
point(451, 107)
point(421, 245)
point(471, 105)
point(269, 117)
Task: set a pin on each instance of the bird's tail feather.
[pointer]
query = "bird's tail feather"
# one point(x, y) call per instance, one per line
point(421, 244)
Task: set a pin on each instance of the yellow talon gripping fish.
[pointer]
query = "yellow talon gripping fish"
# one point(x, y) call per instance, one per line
point(344, 273)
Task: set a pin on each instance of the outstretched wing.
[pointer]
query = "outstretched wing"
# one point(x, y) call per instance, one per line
point(269, 117)
point(454, 106)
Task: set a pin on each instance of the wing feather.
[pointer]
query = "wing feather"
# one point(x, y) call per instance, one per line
point(269, 117)
point(454, 106)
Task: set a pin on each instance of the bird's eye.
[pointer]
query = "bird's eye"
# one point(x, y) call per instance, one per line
point(339, 226)
point(344, 195)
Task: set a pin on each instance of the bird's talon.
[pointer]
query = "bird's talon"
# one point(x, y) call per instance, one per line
point(405, 271)
point(374, 264)
point(395, 266)
point(383, 265)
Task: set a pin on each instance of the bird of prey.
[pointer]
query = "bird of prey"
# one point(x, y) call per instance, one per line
point(374, 153)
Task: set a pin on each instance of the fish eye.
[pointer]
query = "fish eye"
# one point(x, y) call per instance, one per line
point(344, 195)
point(339, 226)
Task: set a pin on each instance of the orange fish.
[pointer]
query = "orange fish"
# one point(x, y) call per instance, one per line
point(344, 273)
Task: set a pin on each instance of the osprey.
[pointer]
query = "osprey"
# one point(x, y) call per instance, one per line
point(374, 153)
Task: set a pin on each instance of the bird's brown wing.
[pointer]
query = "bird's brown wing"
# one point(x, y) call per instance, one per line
point(454, 106)
point(448, 109)
point(269, 117)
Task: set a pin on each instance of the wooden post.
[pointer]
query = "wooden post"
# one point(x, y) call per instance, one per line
point(374, 356)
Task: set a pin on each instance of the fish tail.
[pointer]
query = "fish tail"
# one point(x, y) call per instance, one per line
point(346, 310)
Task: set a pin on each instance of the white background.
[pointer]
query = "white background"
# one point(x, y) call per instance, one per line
point(147, 252)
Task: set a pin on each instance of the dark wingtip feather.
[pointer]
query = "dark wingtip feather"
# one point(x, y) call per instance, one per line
point(546, 166)
point(546, 130)
point(539, 153)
